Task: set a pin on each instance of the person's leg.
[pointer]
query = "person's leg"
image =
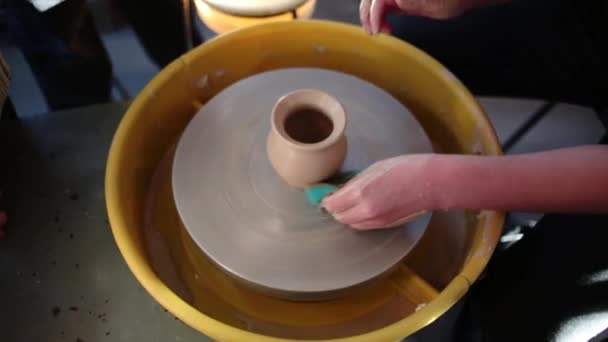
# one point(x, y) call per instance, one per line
point(64, 50)
point(159, 25)
point(527, 48)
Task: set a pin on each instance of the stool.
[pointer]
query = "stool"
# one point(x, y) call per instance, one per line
point(226, 15)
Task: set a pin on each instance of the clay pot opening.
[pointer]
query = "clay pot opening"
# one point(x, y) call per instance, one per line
point(308, 125)
point(309, 119)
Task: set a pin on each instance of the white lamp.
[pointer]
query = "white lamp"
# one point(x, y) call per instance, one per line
point(226, 15)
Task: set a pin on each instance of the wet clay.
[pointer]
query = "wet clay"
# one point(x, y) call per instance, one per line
point(306, 144)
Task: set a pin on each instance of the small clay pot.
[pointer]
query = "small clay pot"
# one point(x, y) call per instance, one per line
point(306, 143)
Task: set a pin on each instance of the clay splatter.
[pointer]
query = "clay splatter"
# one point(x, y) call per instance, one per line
point(56, 311)
point(477, 148)
point(484, 216)
point(321, 49)
point(202, 82)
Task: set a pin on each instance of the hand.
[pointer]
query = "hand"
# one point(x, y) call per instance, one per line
point(373, 12)
point(395, 190)
point(389, 193)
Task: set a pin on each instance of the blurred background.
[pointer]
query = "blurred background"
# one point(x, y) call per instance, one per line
point(132, 67)
point(134, 51)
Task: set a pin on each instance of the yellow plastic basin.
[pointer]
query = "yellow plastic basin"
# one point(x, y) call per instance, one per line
point(451, 255)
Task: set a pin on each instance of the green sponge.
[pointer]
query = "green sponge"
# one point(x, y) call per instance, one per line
point(316, 193)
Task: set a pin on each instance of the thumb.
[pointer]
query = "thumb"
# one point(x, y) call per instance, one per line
point(377, 15)
point(340, 201)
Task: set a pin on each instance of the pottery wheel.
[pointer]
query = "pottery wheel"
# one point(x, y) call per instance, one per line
point(260, 230)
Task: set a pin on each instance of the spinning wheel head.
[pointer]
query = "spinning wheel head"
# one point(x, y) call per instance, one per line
point(257, 227)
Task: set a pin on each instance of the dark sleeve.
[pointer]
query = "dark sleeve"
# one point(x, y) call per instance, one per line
point(603, 115)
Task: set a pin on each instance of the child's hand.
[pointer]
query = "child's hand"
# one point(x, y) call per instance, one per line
point(373, 12)
point(569, 180)
point(386, 194)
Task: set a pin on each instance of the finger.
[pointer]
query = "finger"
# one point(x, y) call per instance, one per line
point(347, 196)
point(388, 221)
point(340, 201)
point(351, 193)
point(358, 213)
point(364, 7)
point(376, 15)
point(386, 28)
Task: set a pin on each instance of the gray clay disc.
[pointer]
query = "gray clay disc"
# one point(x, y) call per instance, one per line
point(254, 226)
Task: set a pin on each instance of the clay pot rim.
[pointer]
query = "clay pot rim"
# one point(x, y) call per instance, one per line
point(294, 99)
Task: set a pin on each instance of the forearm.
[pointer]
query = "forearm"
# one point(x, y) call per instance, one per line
point(565, 180)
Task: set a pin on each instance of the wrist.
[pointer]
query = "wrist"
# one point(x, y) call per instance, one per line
point(437, 179)
point(449, 176)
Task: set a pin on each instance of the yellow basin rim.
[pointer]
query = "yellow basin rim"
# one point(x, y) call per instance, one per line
point(130, 242)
